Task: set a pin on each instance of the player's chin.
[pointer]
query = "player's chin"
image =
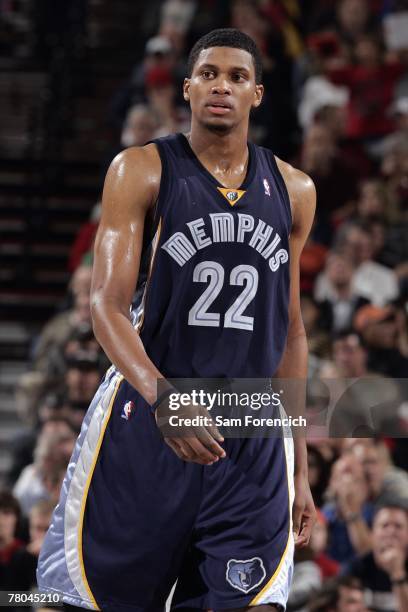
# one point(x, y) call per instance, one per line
point(218, 124)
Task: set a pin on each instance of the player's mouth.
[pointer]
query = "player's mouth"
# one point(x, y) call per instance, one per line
point(219, 108)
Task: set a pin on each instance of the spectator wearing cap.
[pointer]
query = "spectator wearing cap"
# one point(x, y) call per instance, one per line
point(17, 566)
point(344, 594)
point(334, 287)
point(383, 333)
point(159, 53)
point(383, 572)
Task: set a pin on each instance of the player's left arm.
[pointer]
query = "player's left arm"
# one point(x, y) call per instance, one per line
point(293, 366)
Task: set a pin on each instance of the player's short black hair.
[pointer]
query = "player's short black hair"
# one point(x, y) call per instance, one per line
point(226, 37)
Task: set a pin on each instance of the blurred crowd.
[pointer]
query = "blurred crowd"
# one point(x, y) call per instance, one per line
point(336, 106)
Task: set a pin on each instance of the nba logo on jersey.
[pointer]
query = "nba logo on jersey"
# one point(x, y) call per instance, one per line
point(245, 575)
point(127, 410)
point(266, 187)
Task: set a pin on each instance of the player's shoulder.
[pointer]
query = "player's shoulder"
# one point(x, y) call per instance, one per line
point(298, 183)
point(137, 172)
point(139, 159)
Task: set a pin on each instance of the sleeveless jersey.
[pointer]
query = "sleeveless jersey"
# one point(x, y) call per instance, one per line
point(217, 294)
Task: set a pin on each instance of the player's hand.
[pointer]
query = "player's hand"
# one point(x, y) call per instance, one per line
point(192, 443)
point(304, 512)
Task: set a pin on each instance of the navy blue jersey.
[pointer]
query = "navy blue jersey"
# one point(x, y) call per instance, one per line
point(216, 299)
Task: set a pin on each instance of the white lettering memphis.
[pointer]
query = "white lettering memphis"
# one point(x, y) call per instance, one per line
point(225, 227)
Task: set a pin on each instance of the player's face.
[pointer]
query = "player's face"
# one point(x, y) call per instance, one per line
point(222, 88)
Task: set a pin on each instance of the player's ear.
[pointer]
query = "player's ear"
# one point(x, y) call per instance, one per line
point(186, 90)
point(258, 95)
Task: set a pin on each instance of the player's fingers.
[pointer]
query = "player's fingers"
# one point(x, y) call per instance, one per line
point(200, 450)
point(297, 513)
point(205, 438)
point(305, 531)
point(215, 432)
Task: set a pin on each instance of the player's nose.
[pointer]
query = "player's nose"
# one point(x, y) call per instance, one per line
point(221, 87)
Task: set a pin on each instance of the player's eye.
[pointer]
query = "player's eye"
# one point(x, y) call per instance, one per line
point(237, 77)
point(207, 74)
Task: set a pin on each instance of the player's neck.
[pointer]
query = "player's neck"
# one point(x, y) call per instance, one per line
point(221, 153)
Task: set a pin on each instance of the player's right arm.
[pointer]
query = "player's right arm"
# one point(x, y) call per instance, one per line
point(130, 192)
point(131, 188)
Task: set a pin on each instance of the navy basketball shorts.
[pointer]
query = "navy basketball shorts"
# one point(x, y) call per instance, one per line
point(133, 518)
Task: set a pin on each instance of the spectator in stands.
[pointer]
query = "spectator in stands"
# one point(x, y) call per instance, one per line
point(319, 473)
point(82, 379)
point(335, 180)
point(371, 84)
point(353, 19)
point(399, 111)
point(366, 402)
point(312, 262)
point(394, 168)
point(33, 385)
point(345, 594)
point(371, 280)
point(383, 332)
point(161, 96)
point(372, 203)
point(139, 127)
point(85, 236)
point(318, 339)
point(159, 53)
point(52, 424)
point(17, 566)
point(383, 572)
point(350, 355)
point(384, 481)
point(80, 345)
point(57, 331)
point(349, 511)
point(40, 480)
point(318, 543)
point(334, 287)
point(307, 579)
point(39, 521)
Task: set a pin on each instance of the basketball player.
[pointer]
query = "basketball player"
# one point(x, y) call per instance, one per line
point(137, 511)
